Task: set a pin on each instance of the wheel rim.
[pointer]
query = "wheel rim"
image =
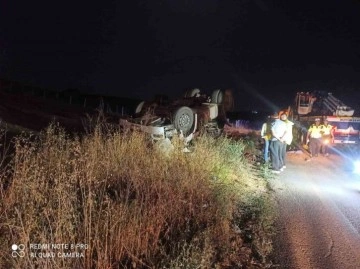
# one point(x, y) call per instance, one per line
point(184, 120)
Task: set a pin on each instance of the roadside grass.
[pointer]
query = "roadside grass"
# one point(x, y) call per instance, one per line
point(132, 206)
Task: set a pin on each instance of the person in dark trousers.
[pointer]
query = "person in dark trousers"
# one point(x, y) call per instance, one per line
point(314, 138)
point(288, 137)
point(266, 135)
point(327, 137)
point(278, 130)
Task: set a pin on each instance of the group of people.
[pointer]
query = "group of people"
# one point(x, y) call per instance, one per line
point(319, 136)
point(277, 135)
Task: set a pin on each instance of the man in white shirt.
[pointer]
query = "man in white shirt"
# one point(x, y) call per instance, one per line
point(278, 130)
point(288, 137)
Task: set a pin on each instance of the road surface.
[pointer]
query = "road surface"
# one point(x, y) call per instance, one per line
point(319, 213)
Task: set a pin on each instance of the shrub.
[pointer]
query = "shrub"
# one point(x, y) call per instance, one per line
point(131, 206)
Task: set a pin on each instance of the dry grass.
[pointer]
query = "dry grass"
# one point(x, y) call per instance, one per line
point(240, 130)
point(131, 205)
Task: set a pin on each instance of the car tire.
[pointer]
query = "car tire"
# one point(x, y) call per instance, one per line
point(183, 119)
point(139, 107)
point(192, 93)
point(217, 97)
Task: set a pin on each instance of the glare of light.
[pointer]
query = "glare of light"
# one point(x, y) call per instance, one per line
point(357, 167)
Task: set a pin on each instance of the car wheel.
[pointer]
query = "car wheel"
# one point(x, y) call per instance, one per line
point(217, 97)
point(139, 107)
point(183, 119)
point(192, 93)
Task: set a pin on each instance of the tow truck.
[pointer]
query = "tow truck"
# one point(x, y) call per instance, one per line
point(317, 104)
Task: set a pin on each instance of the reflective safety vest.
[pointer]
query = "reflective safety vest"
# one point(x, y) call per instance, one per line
point(315, 131)
point(326, 129)
point(266, 131)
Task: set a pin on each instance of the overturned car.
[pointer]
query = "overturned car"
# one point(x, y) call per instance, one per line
point(194, 112)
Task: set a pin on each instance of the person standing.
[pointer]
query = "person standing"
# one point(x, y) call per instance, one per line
point(314, 138)
point(278, 129)
point(327, 137)
point(287, 138)
point(266, 135)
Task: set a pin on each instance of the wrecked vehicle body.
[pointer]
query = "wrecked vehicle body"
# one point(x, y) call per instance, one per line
point(193, 113)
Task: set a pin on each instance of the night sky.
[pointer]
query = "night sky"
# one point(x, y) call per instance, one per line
point(264, 50)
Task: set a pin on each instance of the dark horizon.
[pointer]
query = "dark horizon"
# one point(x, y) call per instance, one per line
point(264, 51)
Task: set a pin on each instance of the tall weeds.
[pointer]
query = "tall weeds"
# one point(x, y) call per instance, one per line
point(128, 204)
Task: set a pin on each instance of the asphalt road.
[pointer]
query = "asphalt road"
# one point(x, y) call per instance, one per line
point(319, 213)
